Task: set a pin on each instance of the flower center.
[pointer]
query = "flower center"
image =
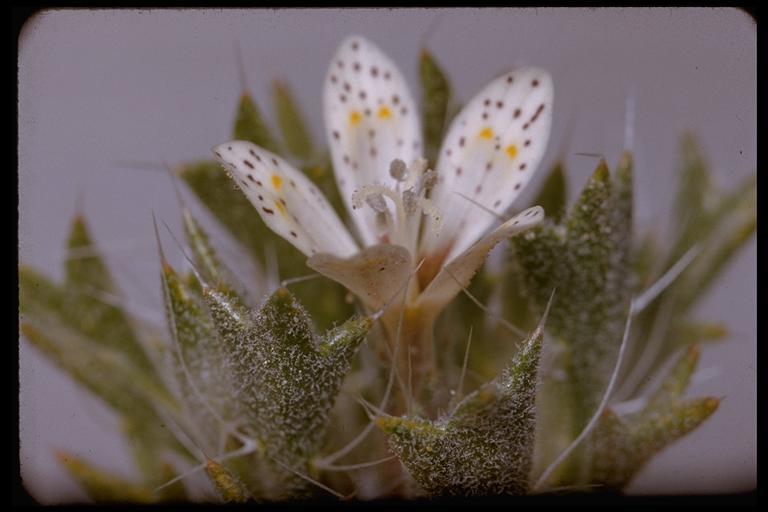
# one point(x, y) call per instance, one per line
point(399, 209)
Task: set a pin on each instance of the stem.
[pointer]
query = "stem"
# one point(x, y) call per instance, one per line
point(416, 361)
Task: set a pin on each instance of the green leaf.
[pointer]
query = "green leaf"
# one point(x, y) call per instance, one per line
point(647, 256)
point(702, 208)
point(93, 341)
point(586, 258)
point(662, 427)
point(719, 224)
point(203, 254)
point(87, 293)
point(676, 382)
point(231, 488)
point(230, 206)
point(321, 173)
point(695, 194)
point(621, 446)
point(687, 333)
point(251, 126)
point(111, 377)
point(292, 126)
point(485, 445)
point(436, 93)
point(101, 486)
point(289, 378)
point(553, 193)
point(734, 223)
point(614, 460)
point(105, 372)
point(84, 266)
point(198, 358)
point(48, 322)
point(149, 442)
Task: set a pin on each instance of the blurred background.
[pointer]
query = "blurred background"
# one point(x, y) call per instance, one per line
point(99, 90)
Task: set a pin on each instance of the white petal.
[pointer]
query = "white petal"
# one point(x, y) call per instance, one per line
point(458, 273)
point(490, 153)
point(290, 204)
point(370, 119)
point(375, 274)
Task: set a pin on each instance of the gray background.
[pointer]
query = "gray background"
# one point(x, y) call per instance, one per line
point(98, 88)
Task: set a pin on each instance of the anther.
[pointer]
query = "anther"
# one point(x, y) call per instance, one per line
point(377, 203)
point(410, 201)
point(429, 180)
point(418, 166)
point(398, 170)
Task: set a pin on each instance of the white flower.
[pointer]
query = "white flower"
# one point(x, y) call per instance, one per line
point(402, 212)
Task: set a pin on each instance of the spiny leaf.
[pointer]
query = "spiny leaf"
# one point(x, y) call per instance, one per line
point(702, 207)
point(175, 492)
point(321, 173)
point(647, 255)
point(736, 222)
point(553, 193)
point(621, 446)
point(87, 279)
point(289, 378)
point(614, 460)
point(149, 443)
point(203, 254)
point(674, 385)
point(84, 266)
point(55, 319)
point(231, 488)
point(719, 224)
point(436, 91)
point(485, 445)
point(687, 333)
point(250, 125)
point(101, 486)
point(228, 205)
point(294, 131)
point(213, 187)
point(586, 259)
point(197, 357)
point(105, 372)
point(622, 216)
point(695, 194)
point(660, 428)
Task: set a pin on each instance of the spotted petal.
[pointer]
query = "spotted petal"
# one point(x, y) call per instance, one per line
point(457, 274)
point(290, 204)
point(370, 119)
point(492, 149)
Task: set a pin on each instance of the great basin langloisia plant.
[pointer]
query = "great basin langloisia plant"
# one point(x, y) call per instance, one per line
point(555, 347)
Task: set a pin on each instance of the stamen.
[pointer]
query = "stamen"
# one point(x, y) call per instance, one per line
point(418, 166)
point(374, 196)
point(377, 203)
point(410, 201)
point(398, 170)
point(401, 223)
point(429, 180)
point(429, 209)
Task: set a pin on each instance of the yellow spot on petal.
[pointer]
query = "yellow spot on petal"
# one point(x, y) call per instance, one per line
point(512, 151)
point(384, 113)
point(355, 118)
point(281, 208)
point(486, 133)
point(277, 181)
